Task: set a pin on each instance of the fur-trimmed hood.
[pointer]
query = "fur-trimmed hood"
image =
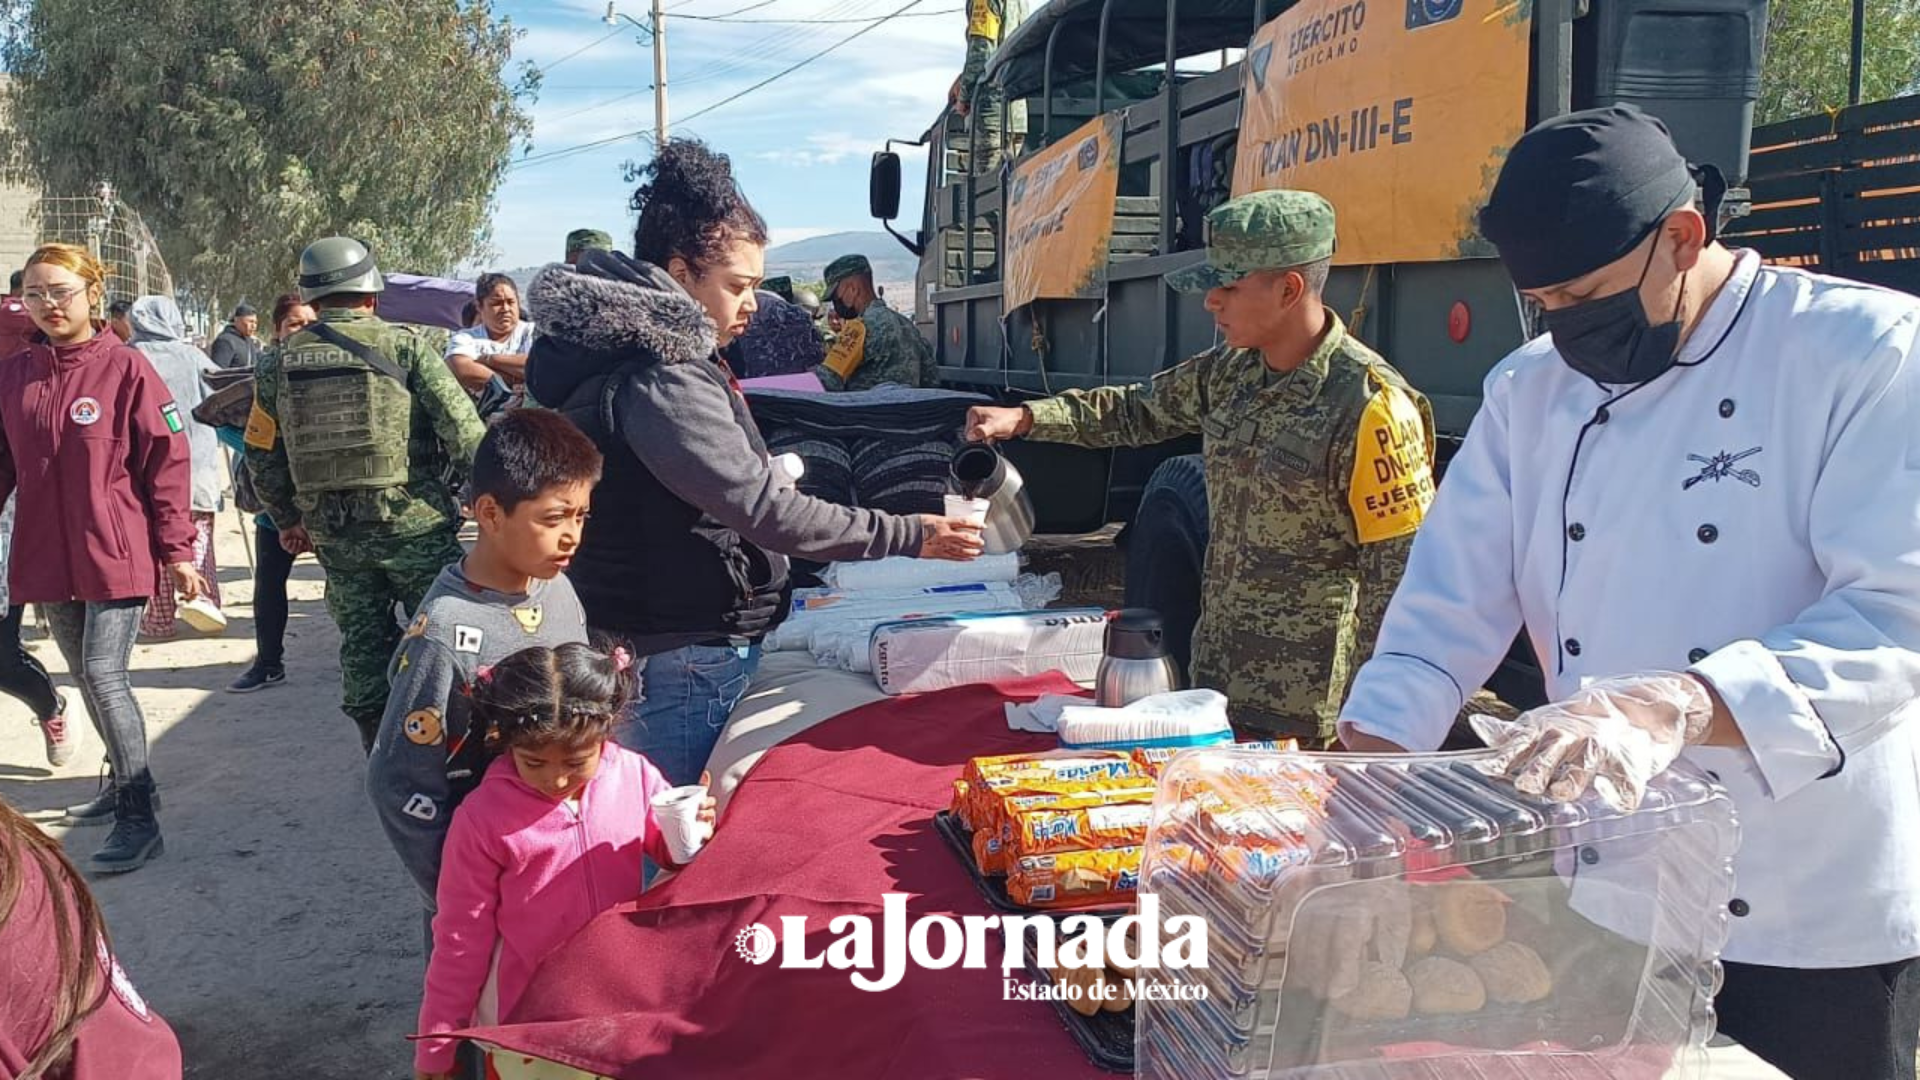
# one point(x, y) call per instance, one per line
point(610, 311)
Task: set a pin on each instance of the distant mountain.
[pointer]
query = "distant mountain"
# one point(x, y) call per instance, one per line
point(894, 267)
point(805, 259)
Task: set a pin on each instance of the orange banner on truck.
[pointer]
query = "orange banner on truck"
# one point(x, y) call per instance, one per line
point(1399, 113)
point(1060, 216)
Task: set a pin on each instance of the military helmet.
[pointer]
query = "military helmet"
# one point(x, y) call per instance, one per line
point(338, 264)
point(809, 300)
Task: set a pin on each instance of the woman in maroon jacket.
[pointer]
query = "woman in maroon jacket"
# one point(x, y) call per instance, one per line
point(94, 452)
point(66, 1008)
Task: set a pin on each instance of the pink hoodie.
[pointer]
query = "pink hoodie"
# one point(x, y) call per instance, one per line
point(524, 870)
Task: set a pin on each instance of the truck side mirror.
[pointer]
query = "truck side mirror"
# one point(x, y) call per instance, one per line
point(883, 186)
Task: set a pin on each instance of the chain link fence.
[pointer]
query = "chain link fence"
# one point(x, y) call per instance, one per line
point(114, 232)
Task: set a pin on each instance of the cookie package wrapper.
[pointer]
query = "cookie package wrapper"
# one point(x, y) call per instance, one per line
point(1380, 918)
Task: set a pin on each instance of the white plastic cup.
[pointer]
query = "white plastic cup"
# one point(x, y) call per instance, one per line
point(788, 469)
point(678, 812)
point(971, 510)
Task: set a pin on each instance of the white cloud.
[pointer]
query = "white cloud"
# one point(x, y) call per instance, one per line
point(823, 148)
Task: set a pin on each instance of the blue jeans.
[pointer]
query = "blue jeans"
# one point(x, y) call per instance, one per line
point(686, 697)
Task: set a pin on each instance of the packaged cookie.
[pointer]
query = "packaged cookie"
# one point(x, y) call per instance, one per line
point(1100, 878)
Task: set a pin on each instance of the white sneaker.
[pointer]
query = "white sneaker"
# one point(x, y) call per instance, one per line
point(200, 614)
point(58, 737)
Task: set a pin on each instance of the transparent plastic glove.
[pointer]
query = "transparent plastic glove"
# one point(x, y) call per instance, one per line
point(1614, 736)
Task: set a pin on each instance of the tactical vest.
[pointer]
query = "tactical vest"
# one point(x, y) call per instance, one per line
point(346, 426)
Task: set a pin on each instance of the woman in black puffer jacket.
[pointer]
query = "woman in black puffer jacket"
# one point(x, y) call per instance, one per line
point(685, 555)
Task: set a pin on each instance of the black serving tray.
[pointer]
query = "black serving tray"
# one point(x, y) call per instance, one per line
point(1105, 1037)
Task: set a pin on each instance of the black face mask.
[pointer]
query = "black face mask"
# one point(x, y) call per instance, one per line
point(1609, 340)
point(844, 309)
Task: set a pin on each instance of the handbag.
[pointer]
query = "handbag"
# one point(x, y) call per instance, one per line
point(227, 406)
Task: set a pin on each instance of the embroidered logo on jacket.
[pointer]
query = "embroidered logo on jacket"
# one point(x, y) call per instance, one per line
point(1721, 466)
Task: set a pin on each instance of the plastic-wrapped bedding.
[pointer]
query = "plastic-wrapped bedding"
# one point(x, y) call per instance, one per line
point(816, 611)
point(894, 413)
point(902, 477)
point(886, 449)
point(829, 461)
point(890, 575)
point(835, 623)
point(959, 650)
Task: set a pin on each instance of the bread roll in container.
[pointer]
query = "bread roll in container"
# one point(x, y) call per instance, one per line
point(1410, 918)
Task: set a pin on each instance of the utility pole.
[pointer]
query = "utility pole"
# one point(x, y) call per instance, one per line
point(656, 27)
point(660, 76)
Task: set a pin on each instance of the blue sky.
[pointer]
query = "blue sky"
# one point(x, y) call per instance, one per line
point(800, 145)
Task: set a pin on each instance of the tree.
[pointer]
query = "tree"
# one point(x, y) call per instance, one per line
point(1809, 43)
point(243, 131)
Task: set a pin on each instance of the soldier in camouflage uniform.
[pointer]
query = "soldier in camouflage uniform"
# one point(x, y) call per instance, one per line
point(1318, 464)
point(360, 437)
point(989, 23)
point(581, 241)
point(876, 344)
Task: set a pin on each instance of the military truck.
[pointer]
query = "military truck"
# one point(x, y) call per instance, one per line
point(1376, 107)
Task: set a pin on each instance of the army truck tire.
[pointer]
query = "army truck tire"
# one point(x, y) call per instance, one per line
point(1166, 548)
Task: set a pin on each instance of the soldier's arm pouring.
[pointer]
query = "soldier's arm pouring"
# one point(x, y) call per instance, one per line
point(1169, 406)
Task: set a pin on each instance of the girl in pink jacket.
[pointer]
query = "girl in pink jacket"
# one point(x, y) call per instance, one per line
point(553, 835)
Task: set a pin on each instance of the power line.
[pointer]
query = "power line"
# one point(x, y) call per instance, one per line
point(784, 72)
point(736, 11)
point(583, 48)
point(825, 22)
point(571, 151)
point(597, 106)
point(783, 42)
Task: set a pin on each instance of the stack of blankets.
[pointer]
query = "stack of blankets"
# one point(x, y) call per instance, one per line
point(886, 449)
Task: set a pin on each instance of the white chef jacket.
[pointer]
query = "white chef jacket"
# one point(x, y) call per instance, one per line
point(1753, 516)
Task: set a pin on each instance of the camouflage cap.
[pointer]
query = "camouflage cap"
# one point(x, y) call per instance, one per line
point(580, 240)
point(1267, 230)
point(845, 267)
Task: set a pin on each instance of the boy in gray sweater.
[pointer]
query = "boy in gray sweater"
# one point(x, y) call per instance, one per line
point(532, 481)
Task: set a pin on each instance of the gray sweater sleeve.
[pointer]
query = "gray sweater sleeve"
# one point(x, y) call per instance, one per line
point(680, 421)
point(407, 771)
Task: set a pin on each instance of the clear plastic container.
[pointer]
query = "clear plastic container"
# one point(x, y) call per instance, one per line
point(1409, 918)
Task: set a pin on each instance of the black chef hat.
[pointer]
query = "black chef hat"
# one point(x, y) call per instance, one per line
point(1581, 190)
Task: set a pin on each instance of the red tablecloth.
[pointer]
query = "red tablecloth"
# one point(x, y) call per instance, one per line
point(822, 827)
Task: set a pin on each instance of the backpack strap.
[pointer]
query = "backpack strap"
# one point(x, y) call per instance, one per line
point(366, 354)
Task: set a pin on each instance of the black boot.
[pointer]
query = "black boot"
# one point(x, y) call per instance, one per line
point(136, 833)
point(97, 810)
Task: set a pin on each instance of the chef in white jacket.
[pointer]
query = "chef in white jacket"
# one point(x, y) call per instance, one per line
point(1699, 494)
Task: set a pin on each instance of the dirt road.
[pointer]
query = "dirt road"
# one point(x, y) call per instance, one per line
point(278, 933)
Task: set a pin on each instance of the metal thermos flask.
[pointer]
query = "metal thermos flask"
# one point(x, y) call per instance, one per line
point(1136, 664)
